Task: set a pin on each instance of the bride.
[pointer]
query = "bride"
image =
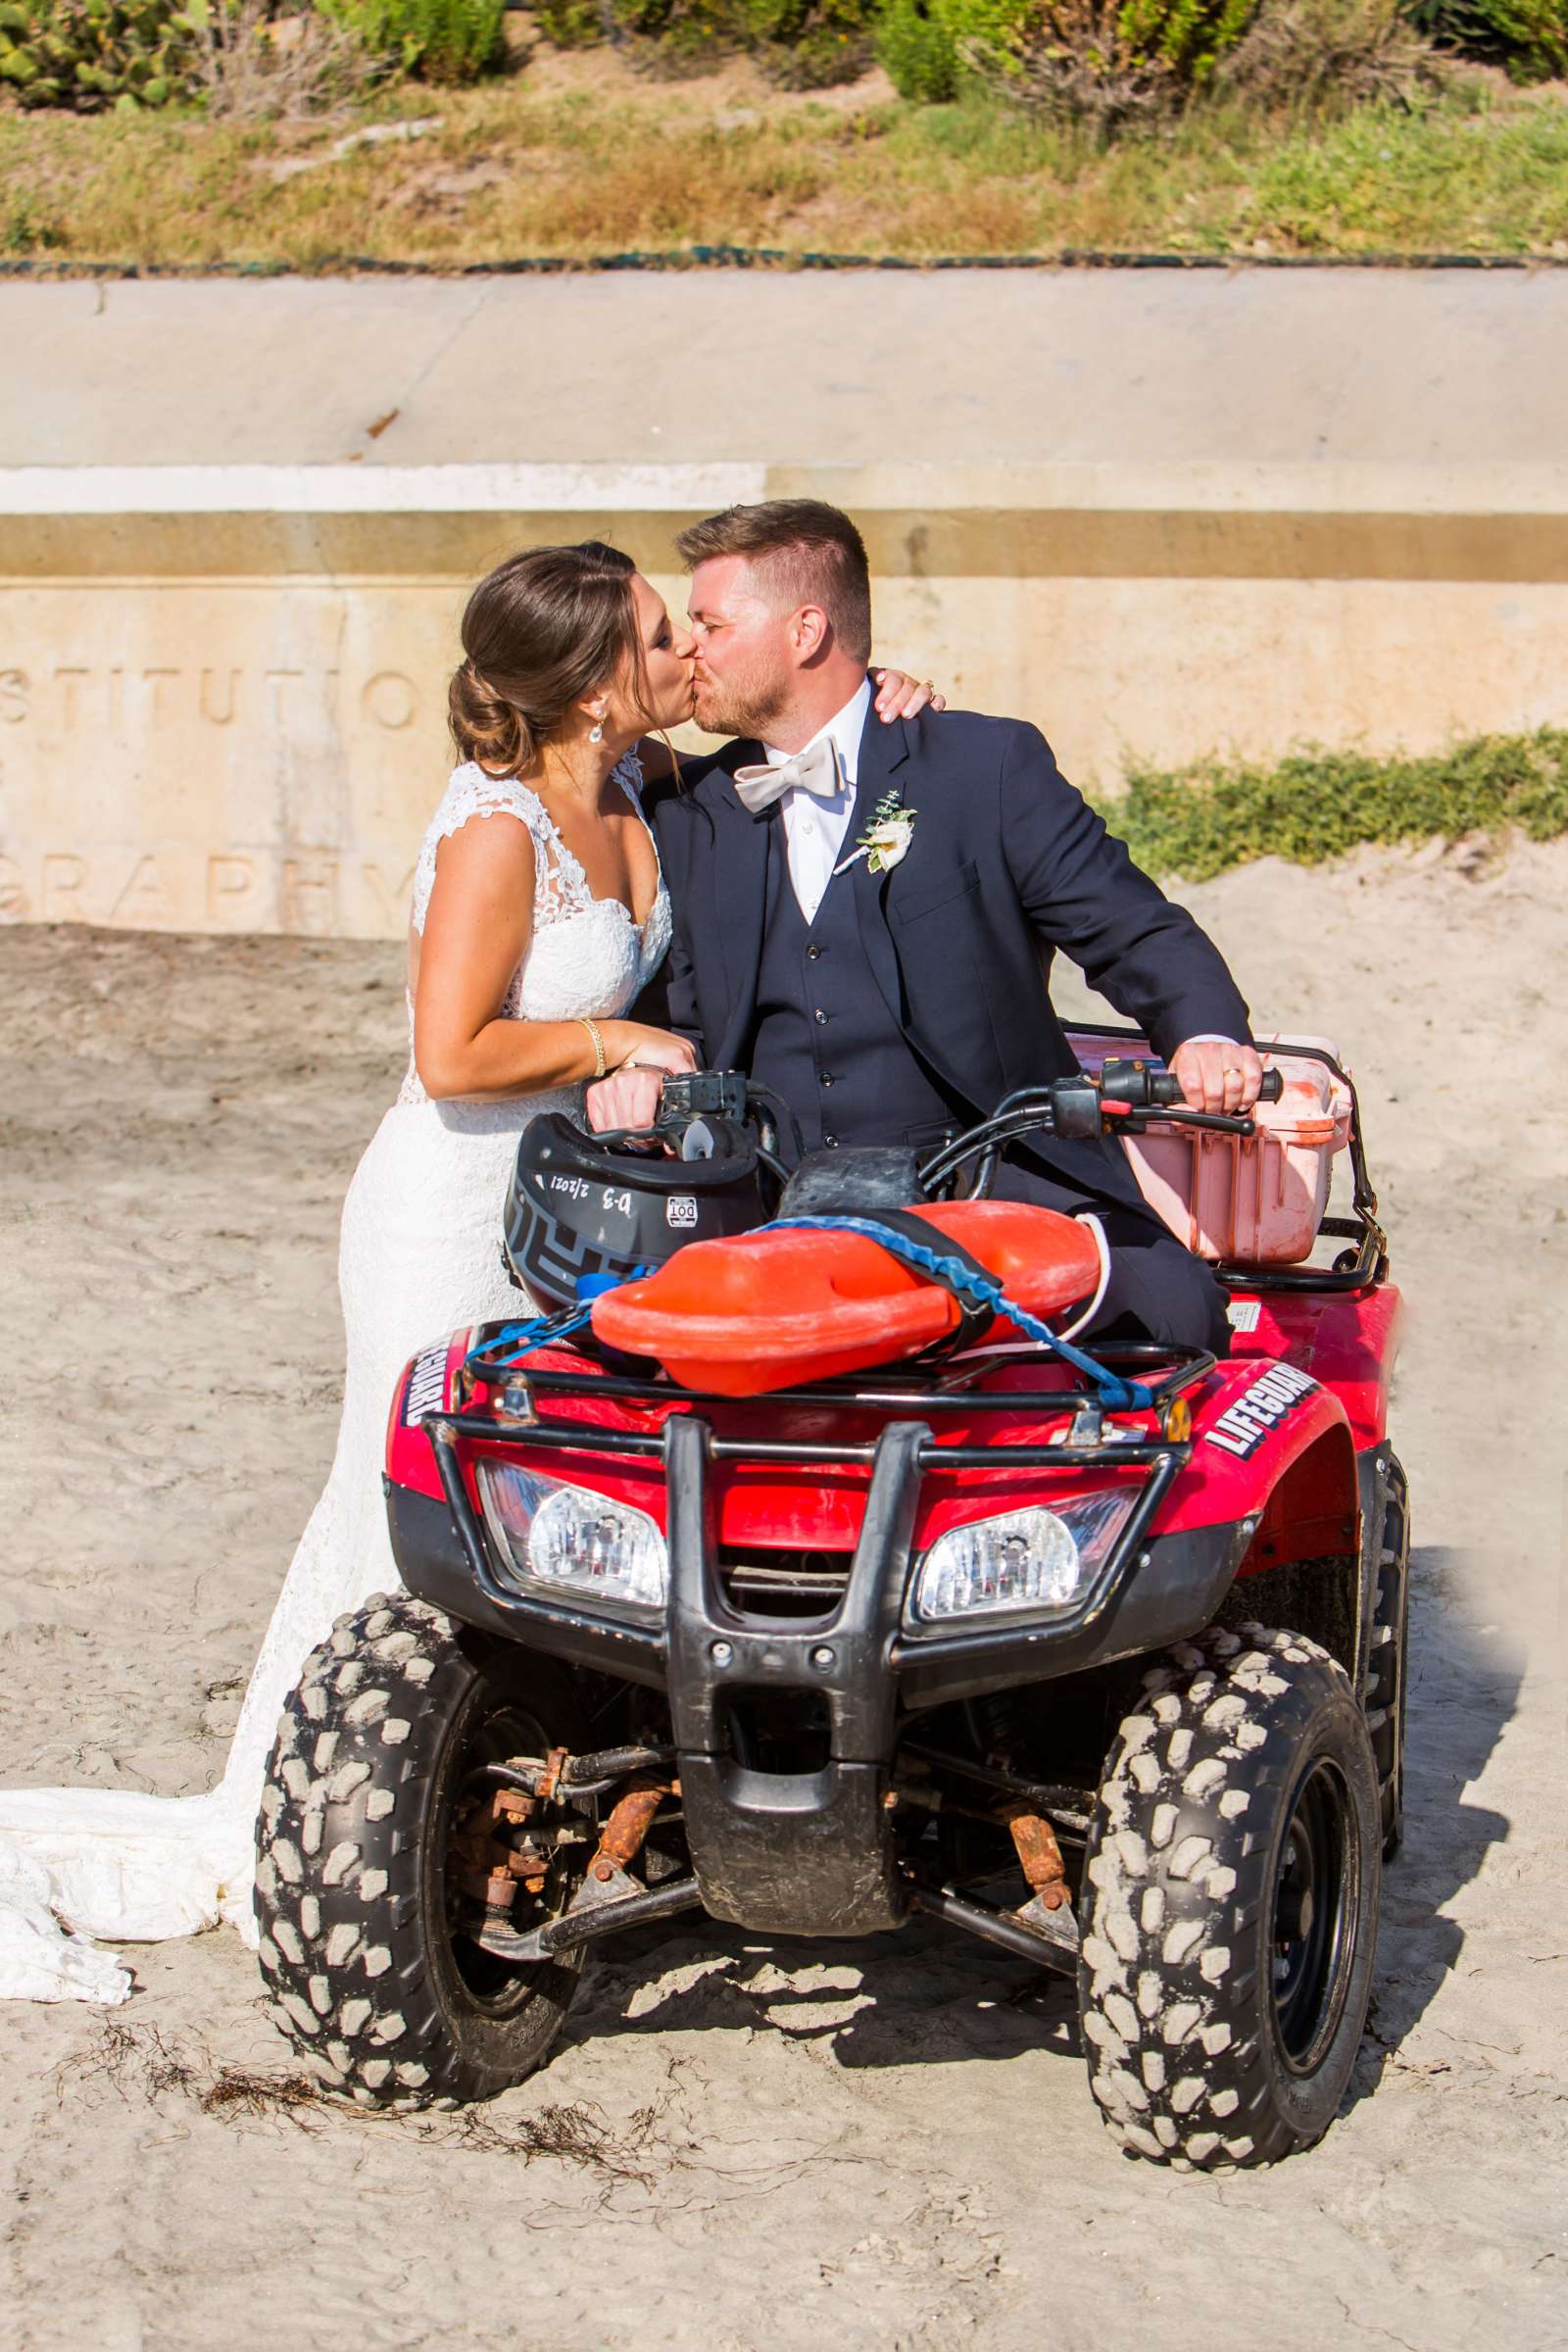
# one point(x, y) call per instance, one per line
point(529, 939)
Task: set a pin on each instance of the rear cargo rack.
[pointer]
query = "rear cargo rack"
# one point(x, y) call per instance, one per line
point(1359, 1271)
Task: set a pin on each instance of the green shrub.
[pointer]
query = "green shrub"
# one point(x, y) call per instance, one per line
point(1322, 57)
point(805, 44)
point(1190, 36)
point(1114, 62)
point(914, 42)
point(1528, 37)
point(1106, 60)
point(926, 45)
point(91, 54)
point(570, 24)
point(440, 40)
point(1317, 805)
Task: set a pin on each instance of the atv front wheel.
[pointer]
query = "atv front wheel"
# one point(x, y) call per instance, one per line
point(375, 1787)
point(1232, 1882)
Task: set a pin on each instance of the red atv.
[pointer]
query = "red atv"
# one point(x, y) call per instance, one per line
point(1098, 1657)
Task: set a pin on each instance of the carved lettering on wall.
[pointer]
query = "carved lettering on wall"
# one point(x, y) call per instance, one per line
point(61, 886)
point(144, 905)
point(235, 899)
point(322, 893)
point(388, 906)
point(158, 696)
point(210, 696)
point(389, 700)
point(65, 680)
point(309, 896)
point(280, 680)
point(154, 679)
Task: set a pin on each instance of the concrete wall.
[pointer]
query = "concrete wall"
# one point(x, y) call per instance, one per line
point(223, 686)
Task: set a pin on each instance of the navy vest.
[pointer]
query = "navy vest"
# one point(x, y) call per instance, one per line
point(823, 1037)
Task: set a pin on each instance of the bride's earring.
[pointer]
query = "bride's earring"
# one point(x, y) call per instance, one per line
point(596, 733)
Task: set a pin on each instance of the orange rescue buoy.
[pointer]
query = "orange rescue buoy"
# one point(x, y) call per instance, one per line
point(780, 1308)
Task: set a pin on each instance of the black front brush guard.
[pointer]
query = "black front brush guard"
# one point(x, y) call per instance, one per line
point(815, 1853)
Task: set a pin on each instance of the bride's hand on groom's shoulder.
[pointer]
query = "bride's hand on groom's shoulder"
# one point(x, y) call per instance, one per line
point(899, 696)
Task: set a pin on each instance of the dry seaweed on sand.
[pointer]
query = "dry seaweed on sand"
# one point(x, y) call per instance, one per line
point(576, 2134)
point(131, 2059)
point(247, 2090)
point(135, 2061)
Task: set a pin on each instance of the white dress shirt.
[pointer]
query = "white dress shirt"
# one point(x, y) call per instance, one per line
point(814, 828)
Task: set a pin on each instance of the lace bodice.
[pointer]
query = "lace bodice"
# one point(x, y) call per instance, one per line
point(586, 955)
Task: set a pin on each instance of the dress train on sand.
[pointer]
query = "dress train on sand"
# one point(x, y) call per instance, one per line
point(419, 1254)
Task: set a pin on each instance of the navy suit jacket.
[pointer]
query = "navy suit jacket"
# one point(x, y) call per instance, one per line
point(1007, 864)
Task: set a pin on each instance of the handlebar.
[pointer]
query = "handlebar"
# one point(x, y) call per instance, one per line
point(1123, 1098)
point(701, 1108)
point(1143, 1086)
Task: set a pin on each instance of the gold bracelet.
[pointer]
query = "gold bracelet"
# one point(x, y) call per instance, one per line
point(592, 1027)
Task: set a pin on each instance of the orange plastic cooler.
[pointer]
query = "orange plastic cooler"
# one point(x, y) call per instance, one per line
point(1255, 1200)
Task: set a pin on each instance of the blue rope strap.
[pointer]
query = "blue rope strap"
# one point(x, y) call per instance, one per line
point(543, 1329)
point(524, 1337)
point(1115, 1394)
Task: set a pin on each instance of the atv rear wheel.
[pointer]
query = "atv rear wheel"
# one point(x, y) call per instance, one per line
point(378, 1765)
point(1231, 1883)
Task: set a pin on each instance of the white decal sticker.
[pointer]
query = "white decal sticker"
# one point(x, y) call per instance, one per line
point(427, 1384)
point(681, 1208)
point(1244, 1314)
point(1242, 1425)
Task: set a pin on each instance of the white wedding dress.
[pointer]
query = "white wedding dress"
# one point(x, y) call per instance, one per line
point(420, 1256)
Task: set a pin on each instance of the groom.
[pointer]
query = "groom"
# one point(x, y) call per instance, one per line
point(898, 1006)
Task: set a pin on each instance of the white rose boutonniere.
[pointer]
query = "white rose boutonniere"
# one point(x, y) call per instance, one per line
point(885, 838)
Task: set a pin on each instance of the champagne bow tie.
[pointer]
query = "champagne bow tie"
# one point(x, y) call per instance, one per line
point(817, 769)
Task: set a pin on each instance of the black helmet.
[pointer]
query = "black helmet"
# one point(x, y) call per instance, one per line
point(579, 1209)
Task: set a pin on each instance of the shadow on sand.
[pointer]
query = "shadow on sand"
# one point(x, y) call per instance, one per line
point(931, 1996)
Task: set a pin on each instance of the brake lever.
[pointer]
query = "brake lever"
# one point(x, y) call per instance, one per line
point(1214, 1122)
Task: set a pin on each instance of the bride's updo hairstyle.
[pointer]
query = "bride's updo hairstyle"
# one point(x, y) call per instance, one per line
point(540, 631)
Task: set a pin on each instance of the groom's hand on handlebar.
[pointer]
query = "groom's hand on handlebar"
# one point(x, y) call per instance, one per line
point(628, 1098)
point(1217, 1074)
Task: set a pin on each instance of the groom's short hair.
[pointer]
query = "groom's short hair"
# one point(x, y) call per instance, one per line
point(812, 551)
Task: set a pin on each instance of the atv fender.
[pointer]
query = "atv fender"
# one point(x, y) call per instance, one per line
point(1300, 1488)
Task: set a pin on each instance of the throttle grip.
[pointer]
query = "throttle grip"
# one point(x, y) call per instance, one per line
point(1164, 1087)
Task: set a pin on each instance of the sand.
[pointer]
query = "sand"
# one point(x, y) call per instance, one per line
point(742, 2144)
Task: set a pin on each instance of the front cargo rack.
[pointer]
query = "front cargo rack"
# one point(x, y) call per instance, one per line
point(525, 1388)
point(897, 1459)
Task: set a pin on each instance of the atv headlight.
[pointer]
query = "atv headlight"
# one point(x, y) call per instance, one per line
point(567, 1540)
point(1030, 1563)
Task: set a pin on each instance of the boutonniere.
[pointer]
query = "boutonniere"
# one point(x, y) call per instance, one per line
point(885, 838)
